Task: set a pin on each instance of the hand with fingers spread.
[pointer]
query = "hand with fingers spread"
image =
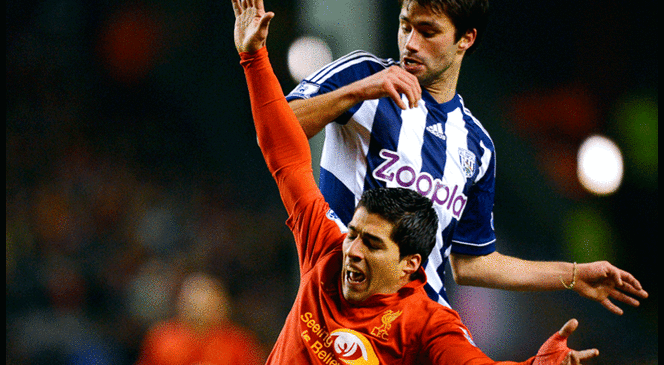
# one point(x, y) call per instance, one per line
point(601, 281)
point(555, 350)
point(251, 25)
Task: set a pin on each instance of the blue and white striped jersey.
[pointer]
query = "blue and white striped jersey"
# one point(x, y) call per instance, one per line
point(439, 150)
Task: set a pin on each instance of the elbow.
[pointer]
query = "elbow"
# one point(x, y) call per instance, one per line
point(309, 133)
point(310, 119)
point(465, 269)
point(461, 278)
point(297, 108)
point(459, 275)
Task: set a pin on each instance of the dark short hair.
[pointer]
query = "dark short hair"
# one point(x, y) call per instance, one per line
point(412, 214)
point(464, 14)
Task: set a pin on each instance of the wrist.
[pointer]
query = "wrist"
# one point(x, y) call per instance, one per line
point(572, 283)
point(246, 54)
point(354, 93)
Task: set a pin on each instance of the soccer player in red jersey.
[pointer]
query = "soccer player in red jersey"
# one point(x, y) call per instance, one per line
point(361, 298)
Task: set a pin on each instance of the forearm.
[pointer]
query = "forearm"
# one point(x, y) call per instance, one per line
point(317, 112)
point(280, 137)
point(510, 273)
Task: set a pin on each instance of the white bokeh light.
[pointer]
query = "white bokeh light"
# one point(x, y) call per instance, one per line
point(600, 165)
point(306, 55)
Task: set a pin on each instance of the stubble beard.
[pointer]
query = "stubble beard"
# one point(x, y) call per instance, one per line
point(431, 78)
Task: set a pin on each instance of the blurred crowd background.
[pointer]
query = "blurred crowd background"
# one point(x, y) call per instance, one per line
point(131, 164)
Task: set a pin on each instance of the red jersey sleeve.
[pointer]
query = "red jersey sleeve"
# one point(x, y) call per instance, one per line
point(448, 341)
point(283, 143)
point(286, 151)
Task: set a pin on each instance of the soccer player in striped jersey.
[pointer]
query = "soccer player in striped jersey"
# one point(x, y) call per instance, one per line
point(402, 124)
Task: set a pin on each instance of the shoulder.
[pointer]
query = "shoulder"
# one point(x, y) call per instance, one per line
point(357, 62)
point(443, 327)
point(437, 314)
point(352, 67)
point(475, 126)
point(232, 332)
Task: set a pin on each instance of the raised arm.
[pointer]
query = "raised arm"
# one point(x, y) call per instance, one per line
point(317, 112)
point(280, 137)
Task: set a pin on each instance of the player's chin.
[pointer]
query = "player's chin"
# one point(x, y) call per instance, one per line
point(354, 292)
point(351, 296)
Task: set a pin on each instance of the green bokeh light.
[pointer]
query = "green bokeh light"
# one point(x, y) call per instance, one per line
point(636, 123)
point(589, 236)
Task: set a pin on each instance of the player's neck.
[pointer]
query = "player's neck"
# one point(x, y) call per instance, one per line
point(442, 96)
point(444, 89)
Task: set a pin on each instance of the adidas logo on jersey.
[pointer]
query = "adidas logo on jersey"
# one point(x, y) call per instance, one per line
point(437, 130)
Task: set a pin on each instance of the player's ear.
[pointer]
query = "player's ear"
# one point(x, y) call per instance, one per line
point(411, 263)
point(467, 40)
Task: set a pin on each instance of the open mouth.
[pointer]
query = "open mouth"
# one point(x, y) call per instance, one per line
point(355, 277)
point(410, 62)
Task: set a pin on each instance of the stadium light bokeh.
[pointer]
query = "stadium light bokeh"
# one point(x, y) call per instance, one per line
point(306, 55)
point(600, 165)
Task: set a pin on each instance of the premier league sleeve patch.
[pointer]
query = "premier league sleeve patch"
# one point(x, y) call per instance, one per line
point(331, 215)
point(305, 90)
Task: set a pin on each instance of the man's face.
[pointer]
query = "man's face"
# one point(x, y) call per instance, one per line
point(426, 44)
point(371, 263)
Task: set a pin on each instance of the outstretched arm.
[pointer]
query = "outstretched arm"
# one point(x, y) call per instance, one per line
point(599, 280)
point(555, 351)
point(455, 345)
